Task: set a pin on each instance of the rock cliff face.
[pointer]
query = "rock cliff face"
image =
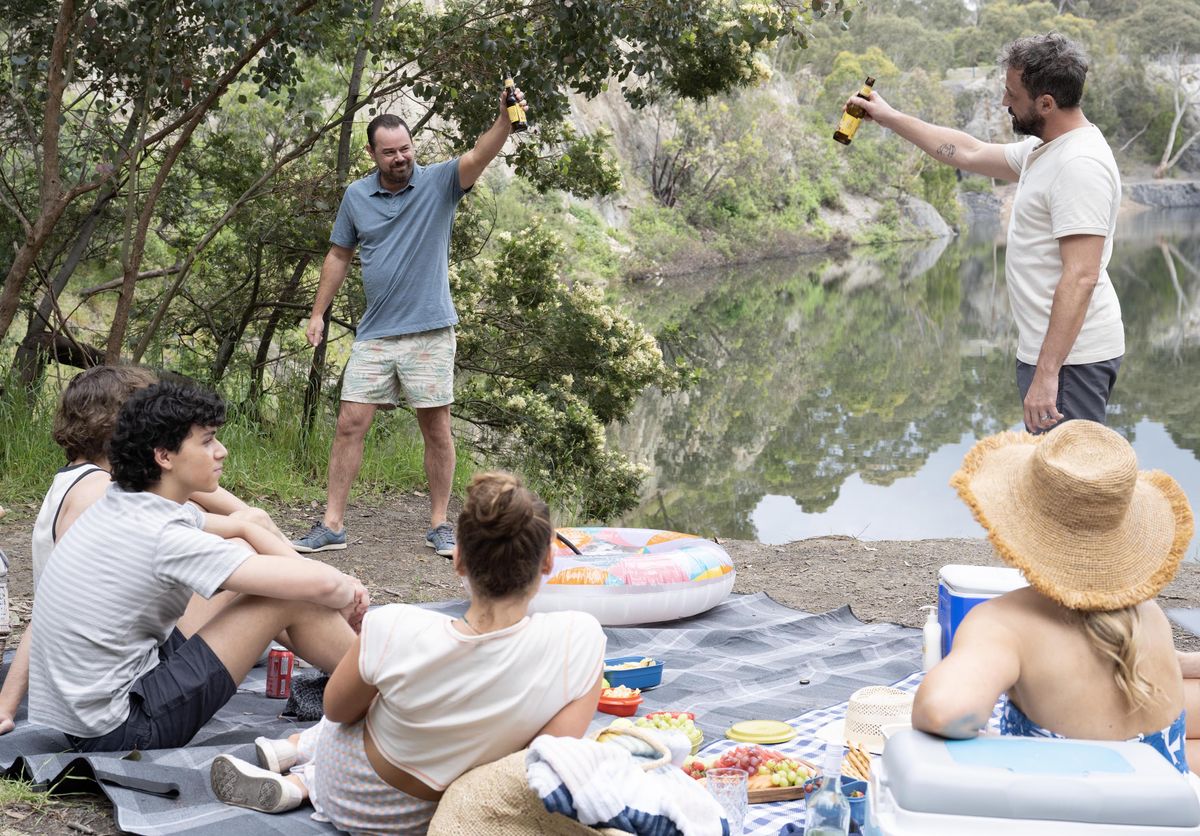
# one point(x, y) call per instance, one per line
point(1166, 194)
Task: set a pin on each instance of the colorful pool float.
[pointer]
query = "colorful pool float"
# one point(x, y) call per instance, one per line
point(635, 575)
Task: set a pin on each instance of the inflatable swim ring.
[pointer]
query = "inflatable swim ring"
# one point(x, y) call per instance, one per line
point(635, 575)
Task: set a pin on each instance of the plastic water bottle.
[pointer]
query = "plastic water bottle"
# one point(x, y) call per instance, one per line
point(5, 627)
point(828, 809)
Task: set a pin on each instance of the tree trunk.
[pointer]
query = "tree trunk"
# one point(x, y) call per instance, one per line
point(51, 202)
point(30, 361)
point(316, 371)
point(64, 349)
point(230, 342)
point(258, 368)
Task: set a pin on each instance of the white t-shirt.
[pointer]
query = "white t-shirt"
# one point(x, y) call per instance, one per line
point(121, 577)
point(450, 701)
point(1069, 186)
point(47, 518)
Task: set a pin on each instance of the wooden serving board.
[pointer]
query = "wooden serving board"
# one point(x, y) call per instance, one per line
point(767, 794)
point(776, 794)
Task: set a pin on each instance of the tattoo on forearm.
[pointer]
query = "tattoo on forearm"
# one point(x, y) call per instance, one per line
point(945, 150)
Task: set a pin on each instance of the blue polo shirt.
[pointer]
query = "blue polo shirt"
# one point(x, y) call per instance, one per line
point(403, 242)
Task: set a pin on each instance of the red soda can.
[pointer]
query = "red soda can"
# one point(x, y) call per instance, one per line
point(279, 673)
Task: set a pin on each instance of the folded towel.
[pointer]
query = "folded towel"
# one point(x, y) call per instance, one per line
point(601, 784)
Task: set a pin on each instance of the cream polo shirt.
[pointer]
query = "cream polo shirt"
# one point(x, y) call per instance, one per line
point(1069, 186)
point(449, 701)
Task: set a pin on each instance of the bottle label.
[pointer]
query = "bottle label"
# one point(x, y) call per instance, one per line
point(848, 124)
point(515, 113)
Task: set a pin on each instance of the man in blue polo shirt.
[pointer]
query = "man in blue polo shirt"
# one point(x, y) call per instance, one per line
point(399, 217)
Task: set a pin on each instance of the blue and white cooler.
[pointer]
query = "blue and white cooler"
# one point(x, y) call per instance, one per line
point(962, 587)
point(1024, 786)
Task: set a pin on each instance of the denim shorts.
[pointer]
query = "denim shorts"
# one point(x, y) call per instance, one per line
point(169, 703)
point(418, 366)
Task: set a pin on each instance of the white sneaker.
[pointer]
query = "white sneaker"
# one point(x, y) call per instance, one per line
point(246, 785)
point(275, 755)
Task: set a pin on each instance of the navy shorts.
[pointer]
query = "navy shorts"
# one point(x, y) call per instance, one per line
point(169, 703)
point(1083, 390)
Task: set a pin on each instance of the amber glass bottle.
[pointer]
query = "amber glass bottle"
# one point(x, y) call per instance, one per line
point(516, 113)
point(852, 117)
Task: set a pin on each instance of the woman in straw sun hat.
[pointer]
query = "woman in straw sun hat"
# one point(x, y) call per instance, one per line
point(1083, 651)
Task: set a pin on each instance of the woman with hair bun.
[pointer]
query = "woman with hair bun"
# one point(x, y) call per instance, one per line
point(421, 697)
point(1083, 651)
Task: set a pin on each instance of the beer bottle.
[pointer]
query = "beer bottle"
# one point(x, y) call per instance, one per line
point(515, 112)
point(852, 117)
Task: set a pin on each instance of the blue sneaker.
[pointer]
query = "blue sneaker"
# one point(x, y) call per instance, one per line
point(441, 539)
point(320, 538)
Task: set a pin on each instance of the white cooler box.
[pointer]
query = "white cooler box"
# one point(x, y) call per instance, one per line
point(997, 786)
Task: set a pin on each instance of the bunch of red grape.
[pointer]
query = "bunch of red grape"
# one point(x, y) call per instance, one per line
point(748, 758)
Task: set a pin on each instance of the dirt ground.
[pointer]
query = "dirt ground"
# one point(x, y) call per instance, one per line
point(881, 581)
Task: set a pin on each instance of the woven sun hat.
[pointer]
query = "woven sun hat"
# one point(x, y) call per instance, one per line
point(1071, 510)
point(870, 709)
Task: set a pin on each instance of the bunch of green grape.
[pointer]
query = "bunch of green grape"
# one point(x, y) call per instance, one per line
point(684, 721)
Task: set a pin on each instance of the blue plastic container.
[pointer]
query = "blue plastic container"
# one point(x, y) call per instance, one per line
point(858, 806)
point(643, 678)
point(962, 587)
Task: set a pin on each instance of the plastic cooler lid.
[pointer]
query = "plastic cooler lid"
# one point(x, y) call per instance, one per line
point(1015, 778)
point(981, 580)
point(760, 731)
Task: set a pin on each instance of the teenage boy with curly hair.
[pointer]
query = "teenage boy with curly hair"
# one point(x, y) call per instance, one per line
point(133, 674)
point(83, 424)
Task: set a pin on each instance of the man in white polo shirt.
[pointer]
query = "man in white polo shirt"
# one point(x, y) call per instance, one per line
point(1060, 235)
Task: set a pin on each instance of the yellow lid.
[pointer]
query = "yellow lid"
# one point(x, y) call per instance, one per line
point(760, 731)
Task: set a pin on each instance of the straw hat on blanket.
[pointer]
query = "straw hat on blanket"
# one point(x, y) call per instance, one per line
point(1071, 510)
point(496, 799)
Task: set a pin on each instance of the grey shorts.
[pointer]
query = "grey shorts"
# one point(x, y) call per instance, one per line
point(418, 366)
point(169, 703)
point(1083, 390)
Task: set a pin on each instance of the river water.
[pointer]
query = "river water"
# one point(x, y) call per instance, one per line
point(837, 394)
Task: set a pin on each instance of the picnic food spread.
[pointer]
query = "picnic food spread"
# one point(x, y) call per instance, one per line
point(773, 775)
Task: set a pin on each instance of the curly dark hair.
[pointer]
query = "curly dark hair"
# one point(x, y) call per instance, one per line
point(504, 532)
point(158, 417)
point(87, 410)
point(1051, 64)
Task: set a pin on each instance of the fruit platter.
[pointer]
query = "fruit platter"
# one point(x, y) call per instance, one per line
point(684, 721)
point(773, 775)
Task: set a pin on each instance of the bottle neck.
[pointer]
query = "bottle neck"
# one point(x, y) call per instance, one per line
point(833, 763)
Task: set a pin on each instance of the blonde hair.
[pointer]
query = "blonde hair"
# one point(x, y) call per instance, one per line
point(1116, 634)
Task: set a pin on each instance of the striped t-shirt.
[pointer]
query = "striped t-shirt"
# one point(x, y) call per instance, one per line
point(121, 577)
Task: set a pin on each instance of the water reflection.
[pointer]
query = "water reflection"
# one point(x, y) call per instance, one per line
point(840, 392)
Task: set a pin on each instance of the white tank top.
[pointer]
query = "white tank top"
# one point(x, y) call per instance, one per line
point(47, 518)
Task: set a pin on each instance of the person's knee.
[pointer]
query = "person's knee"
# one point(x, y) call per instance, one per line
point(435, 427)
point(353, 423)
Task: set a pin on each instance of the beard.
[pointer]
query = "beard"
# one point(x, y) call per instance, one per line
point(1031, 125)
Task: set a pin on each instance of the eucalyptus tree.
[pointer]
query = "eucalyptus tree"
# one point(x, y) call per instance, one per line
point(112, 92)
point(1168, 32)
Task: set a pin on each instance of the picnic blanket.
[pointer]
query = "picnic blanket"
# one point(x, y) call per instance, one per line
point(747, 658)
